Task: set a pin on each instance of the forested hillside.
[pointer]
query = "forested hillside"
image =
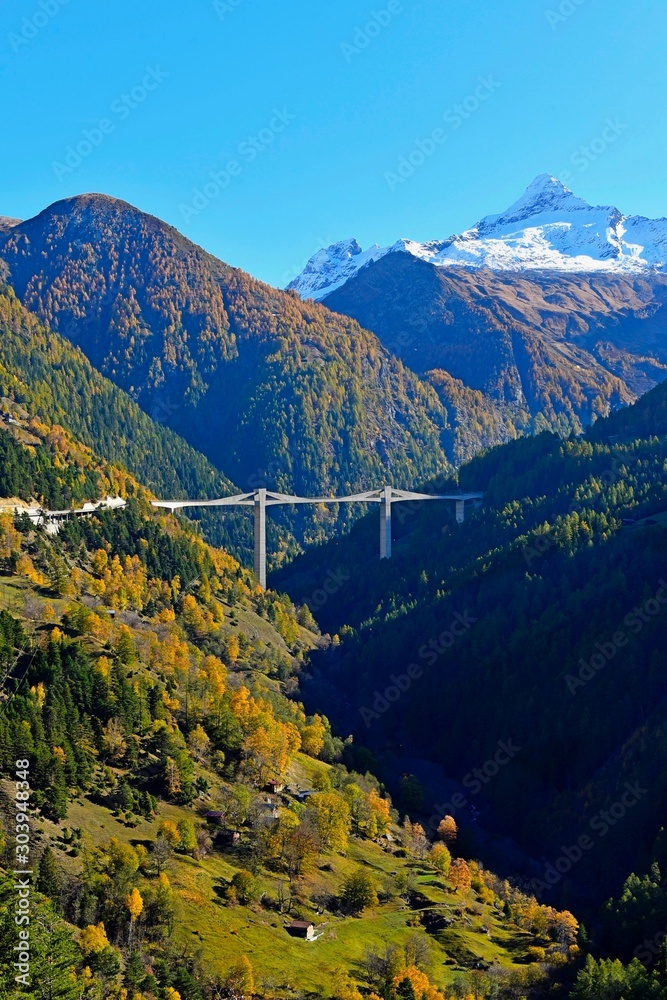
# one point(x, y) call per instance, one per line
point(548, 350)
point(274, 391)
point(540, 620)
point(185, 809)
point(43, 371)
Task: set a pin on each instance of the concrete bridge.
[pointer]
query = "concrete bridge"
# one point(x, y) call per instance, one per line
point(51, 520)
point(260, 499)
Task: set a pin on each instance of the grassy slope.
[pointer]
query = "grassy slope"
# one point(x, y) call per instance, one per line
point(223, 933)
point(204, 922)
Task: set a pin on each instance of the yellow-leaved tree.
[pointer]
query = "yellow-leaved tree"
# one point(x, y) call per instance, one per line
point(135, 905)
point(421, 985)
point(93, 938)
point(241, 979)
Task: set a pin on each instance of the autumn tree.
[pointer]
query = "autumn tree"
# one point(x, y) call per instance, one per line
point(440, 858)
point(379, 819)
point(299, 851)
point(413, 984)
point(330, 815)
point(233, 648)
point(459, 875)
point(564, 928)
point(93, 938)
point(135, 905)
point(342, 986)
point(418, 843)
point(240, 980)
point(169, 830)
point(114, 740)
point(448, 830)
point(172, 776)
point(312, 736)
point(199, 743)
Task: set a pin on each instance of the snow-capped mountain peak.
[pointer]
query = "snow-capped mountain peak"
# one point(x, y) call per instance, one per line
point(547, 228)
point(545, 195)
point(332, 266)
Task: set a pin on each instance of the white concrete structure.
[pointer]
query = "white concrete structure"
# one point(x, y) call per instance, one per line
point(260, 499)
point(50, 520)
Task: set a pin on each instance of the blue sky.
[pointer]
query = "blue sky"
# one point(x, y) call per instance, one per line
point(291, 118)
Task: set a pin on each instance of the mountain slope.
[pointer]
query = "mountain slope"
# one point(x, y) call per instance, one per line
point(560, 582)
point(274, 391)
point(547, 350)
point(55, 380)
point(149, 691)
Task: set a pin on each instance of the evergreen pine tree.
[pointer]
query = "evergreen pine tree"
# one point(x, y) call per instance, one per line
point(48, 876)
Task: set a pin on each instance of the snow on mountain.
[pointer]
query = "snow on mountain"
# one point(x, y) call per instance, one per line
point(548, 228)
point(330, 268)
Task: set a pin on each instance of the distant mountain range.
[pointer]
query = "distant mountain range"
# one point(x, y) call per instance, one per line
point(553, 311)
point(548, 228)
point(410, 364)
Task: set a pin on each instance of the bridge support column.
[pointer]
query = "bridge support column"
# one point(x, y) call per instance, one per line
point(260, 537)
point(385, 523)
point(460, 511)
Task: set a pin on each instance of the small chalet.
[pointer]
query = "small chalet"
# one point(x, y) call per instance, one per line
point(215, 816)
point(275, 785)
point(302, 929)
point(305, 794)
point(227, 838)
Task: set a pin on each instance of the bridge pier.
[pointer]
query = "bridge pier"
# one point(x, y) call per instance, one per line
point(385, 523)
point(460, 511)
point(260, 536)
